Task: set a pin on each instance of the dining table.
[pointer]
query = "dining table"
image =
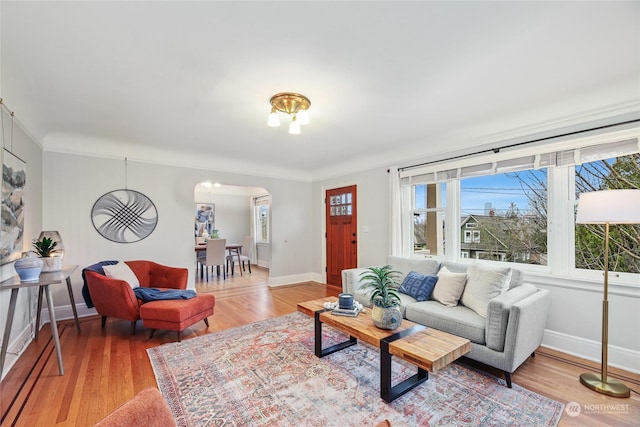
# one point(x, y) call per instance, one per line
point(231, 247)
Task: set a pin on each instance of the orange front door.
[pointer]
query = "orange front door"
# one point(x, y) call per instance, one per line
point(342, 242)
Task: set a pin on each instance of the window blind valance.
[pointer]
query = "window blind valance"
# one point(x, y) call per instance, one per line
point(574, 156)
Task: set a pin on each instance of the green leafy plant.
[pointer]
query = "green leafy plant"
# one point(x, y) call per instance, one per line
point(384, 283)
point(44, 247)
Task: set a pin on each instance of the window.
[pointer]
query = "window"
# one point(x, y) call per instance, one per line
point(428, 218)
point(516, 207)
point(613, 173)
point(509, 210)
point(261, 215)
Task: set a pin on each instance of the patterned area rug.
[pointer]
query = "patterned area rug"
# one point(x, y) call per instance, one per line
point(266, 374)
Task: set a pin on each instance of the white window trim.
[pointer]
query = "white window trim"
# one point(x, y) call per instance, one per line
point(561, 188)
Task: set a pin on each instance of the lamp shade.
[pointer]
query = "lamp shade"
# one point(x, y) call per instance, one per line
point(612, 206)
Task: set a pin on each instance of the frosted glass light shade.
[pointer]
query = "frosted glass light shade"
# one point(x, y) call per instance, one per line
point(303, 117)
point(274, 120)
point(612, 206)
point(55, 236)
point(294, 127)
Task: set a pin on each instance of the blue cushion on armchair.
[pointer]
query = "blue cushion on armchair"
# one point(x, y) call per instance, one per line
point(417, 285)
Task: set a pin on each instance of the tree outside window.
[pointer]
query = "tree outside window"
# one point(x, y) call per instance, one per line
point(624, 240)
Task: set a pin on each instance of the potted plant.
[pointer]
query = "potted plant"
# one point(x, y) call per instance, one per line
point(385, 299)
point(45, 247)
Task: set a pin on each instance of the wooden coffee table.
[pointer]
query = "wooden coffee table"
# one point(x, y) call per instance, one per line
point(428, 349)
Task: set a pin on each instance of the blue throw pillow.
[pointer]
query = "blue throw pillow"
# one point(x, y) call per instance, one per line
point(418, 285)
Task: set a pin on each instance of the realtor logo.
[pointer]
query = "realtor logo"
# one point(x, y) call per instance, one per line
point(573, 409)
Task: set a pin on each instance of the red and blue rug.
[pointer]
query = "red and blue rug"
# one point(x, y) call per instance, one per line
point(266, 374)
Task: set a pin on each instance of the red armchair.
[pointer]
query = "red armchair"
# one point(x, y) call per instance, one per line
point(115, 298)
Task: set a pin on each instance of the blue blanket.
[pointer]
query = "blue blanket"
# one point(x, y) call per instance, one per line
point(154, 294)
point(98, 269)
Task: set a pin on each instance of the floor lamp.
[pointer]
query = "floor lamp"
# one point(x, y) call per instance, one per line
point(607, 207)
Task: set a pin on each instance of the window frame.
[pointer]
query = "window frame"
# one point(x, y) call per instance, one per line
point(560, 198)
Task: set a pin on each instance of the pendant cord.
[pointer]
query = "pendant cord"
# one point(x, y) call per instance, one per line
point(126, 173)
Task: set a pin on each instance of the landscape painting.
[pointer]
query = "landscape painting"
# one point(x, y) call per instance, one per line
point(14, 174)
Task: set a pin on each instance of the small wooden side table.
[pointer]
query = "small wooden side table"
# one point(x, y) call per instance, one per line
point(43, 283)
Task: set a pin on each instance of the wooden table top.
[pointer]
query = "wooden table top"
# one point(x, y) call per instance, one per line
point(429, 348)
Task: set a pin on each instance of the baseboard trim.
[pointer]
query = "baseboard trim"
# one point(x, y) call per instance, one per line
point(618, 357)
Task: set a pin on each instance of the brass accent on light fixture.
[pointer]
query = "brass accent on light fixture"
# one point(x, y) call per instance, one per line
point(290, 102)
point(293, 104)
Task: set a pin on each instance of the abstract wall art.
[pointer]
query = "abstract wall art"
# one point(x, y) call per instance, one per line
point(124, 216)
point(14, 177)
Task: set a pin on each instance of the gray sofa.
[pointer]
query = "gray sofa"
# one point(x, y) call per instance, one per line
point(504, 338)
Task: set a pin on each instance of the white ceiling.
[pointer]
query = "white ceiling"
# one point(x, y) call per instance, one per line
point(189, 82)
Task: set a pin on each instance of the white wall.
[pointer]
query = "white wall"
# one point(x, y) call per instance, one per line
point(373, 215)
point(574, 323)
point(26, 148)
point(73, 183)
point(232, 216)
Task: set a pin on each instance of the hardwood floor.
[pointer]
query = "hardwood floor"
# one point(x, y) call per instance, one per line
point(105, 367)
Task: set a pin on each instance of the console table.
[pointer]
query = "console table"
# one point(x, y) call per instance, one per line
point(43, 284)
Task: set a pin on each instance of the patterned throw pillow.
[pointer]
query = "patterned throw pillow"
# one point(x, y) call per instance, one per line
point(418, 285)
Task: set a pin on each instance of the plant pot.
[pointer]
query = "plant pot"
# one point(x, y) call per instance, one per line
point(51, 263)
point(28, 268)
point(386, 317)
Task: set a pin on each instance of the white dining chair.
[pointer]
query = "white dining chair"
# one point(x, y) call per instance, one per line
point(245, 256)
point(215, 255)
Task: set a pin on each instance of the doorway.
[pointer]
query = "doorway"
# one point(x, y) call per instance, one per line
point(342, 237)
point(234, 214)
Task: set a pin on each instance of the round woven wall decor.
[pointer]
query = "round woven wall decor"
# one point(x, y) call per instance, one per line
point(124, 216)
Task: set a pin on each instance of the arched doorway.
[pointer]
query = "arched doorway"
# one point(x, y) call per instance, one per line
point(233, 212)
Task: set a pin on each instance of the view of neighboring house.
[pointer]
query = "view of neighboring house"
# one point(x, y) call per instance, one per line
point(508, 238)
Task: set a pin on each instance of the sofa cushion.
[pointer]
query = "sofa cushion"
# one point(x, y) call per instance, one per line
point(406, 265)
point(449, 287)
point(458, 320)
point(517, 276)
point(418, 285)
point(484, 282)
point(121, 271)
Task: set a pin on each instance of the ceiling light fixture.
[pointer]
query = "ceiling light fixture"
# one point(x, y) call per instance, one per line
point(295, 105)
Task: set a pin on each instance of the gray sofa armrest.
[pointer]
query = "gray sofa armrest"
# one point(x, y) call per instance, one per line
point(351, 280)
point(498, 314)
point(527, 321)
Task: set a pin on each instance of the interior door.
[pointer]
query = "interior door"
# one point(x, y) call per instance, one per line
point(342, 227)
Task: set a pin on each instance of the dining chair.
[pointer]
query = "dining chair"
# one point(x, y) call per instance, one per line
point(215, 255)
point(247, 247)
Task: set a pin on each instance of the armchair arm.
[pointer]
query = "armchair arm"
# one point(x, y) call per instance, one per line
point(112, 297)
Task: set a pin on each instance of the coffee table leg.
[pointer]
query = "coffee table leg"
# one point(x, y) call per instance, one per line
point(318, 339)
point(388, 392)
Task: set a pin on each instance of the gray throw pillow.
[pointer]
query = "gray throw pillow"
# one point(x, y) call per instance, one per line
point(418, 285)
point(449, 287)
point(484, 282)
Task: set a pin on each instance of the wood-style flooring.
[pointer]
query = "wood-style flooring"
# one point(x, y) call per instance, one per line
point(105, 367)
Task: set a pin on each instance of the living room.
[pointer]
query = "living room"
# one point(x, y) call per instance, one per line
point(60, 61)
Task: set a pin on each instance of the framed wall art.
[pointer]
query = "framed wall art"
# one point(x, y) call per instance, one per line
point(124, 216)
point(205, 219)
point(14, 177)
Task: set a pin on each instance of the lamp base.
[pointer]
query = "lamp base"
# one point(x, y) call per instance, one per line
point(611, 388)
